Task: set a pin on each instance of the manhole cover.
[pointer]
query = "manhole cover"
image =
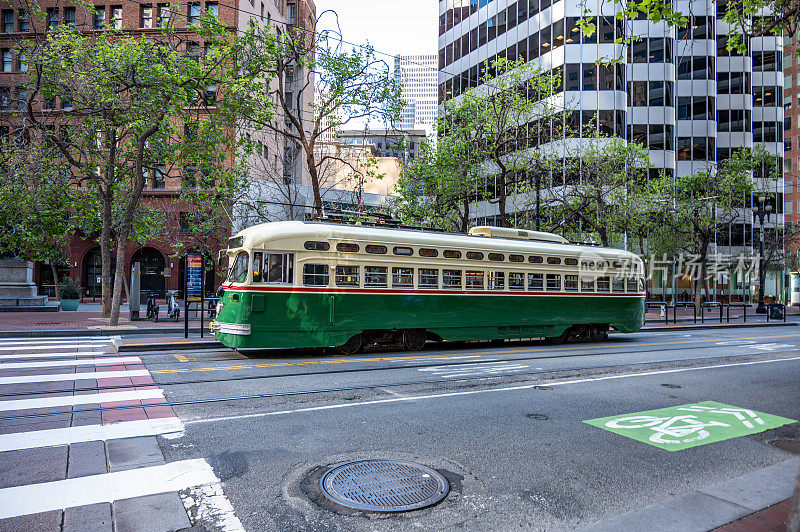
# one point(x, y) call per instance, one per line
point(384, 485)
point(792, 446)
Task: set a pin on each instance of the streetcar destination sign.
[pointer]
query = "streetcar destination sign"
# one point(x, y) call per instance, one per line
point(681, 427)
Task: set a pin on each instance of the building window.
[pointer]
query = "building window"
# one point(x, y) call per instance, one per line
point(6, 55)
point(22, 62)
point(193, 51)
point(52, 18)
point(212, 8)
point(116, 17)
point(8, 21)
point(159, 176)
point(291, 10)
point(193, 16)
point(5, 98)
point(24, 20)
point(164, 15)
point(146, 16)
point(22, 98)
point(99, 17)
point(211, 95)
point(69, 17)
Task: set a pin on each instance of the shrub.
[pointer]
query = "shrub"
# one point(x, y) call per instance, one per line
point(70, 288)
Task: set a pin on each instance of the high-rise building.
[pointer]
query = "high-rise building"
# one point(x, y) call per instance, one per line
point(418, 77)
point(678, 91)
point(791, 155)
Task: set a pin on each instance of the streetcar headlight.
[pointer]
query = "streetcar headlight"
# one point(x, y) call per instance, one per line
point(220, 304)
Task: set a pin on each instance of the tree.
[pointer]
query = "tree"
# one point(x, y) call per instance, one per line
point(128, 104)
point(602, 187)
point(696, 206)
point(353, 85)
point(35, 204)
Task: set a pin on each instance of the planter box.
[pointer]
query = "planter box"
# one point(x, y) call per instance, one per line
point(70, 304)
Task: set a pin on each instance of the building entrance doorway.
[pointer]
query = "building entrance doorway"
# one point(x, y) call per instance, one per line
point(152, 270)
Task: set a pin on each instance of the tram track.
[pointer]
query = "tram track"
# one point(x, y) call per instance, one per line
point(291, 393)
point(343, 371)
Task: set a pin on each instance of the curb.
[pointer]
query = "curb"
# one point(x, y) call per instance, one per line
point(121, 347)
point(95, 332)
point(712, 506)
point(661, 328)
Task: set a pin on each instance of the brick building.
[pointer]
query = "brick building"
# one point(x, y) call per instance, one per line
point(161, 268)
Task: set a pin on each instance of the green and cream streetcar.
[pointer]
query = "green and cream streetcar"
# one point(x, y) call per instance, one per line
point(315, 284)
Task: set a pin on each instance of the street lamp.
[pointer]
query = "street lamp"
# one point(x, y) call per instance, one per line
point(760, 212)
point(537, 153)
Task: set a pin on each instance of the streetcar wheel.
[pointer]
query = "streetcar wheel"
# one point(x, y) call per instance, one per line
point(414, 339)
point(352, 346)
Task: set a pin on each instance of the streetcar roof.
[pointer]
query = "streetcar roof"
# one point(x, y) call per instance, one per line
point(259, 236)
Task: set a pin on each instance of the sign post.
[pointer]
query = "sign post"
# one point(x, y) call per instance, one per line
point(194, 287)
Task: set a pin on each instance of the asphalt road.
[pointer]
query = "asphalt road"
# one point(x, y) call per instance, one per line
point(503, 422)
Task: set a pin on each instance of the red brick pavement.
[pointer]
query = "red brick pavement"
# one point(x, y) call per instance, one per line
point(45, 321)
point(770, 519)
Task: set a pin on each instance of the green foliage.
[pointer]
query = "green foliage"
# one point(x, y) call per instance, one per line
point(70, 288)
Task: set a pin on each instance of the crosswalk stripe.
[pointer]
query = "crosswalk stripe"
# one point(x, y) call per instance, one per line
point(40, 347)
point(57, 377)
point(52, 355)
point(55, 341)
point(83, 433)
point(86, 399)
point(108, 487)
point(60, 339)
point(83, 362)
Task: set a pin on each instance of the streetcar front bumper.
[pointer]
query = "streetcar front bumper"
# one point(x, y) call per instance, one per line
point(240, 329)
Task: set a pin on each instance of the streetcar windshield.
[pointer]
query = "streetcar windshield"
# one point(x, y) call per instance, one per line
point(238, 270)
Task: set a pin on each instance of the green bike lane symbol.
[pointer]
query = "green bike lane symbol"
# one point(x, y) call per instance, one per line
point(681, 427)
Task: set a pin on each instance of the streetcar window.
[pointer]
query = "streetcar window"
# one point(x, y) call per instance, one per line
point(587, 284)
point(428, 252)
point(553, 282)
point(376, 276)
point(402, 277)
point(571, 283)
point(315, 274)
point(317, 246)
point(603, 284)
point(496, 256)
point(346, 247)
point(631, 284)
point(474, 280)
point(535, 281)
point(474, 255)
point(452, 254)
point(571, 262)
point(535, 259)
point(618, 284)
point(427, 278)
point(451, 278)
point(235, 242)
point(516, 281)
point(497, 280)
point(347, 276)
point(258, 261)
point(278, 268)
point(400, 250)
point(373, 248)
point(238, 271)
point(617, 264)
point(553, 260)
point(516, 258)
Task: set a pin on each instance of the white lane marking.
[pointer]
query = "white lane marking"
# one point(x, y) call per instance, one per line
point(488, 372)
point(87, 399)
point(772, 347)
point(208, 504)
point(58, 377)
point(108, 487)
point(53, 355)
point(170, 426)
point(59, 339)
point(56, 363)
point(475, 392)
point(482, 365)
point(736, 342)
point(41, 347)
point(438, 359)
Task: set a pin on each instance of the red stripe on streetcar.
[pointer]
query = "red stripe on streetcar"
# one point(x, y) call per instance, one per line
point(440, 292)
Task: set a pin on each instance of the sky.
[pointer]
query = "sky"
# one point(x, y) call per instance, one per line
point(391, 26)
